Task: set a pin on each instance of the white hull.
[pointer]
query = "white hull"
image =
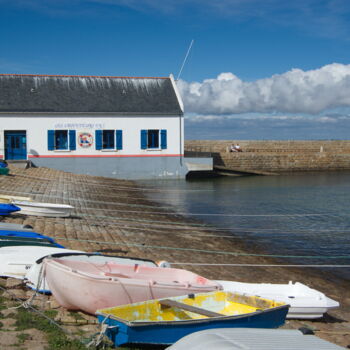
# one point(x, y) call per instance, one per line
point(305, 302)
point(44, 209)
point(16, 261)
point(33, 274)
point(14, 227)
point(252, 339)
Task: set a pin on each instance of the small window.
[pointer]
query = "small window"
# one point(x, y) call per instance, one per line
point(61, 139)
point(108, 139)
point(153, 139)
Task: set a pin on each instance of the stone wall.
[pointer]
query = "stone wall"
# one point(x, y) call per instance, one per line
point(277, 156)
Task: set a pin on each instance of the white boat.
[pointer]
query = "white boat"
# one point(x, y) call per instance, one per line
point(43, 209)
point(305, 302)
point(15, 227)
point(15, 261)
point(33, 273)
point(252, 339)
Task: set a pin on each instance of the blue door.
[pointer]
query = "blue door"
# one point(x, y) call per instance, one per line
point(15, 145)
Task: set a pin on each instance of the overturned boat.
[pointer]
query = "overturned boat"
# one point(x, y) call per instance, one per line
point(43, 209)
point(16, 261)
point(8, 208)
point(21, 238)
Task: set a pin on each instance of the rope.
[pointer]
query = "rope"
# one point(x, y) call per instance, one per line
point(256, 265)
point(97, 339)
point(40, 313)
point(26, 304)
point(144, 246)
point(212, 214)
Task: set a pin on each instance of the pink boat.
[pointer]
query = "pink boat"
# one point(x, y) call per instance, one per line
point(86, 286)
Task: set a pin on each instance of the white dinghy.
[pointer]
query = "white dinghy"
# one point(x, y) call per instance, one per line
point(305, 302)
point(15, 261)
point(43, 209)
point(15, 227)
point(33, 275)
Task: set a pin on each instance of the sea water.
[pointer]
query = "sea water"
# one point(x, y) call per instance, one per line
point(304, 217)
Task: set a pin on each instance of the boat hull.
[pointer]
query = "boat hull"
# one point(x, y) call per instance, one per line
point(124, 285)
point(32, 274)
point(6, 241)
point(44, 209)
point(305, 302)
point(16, 261)
point(6, 209)
point(124, 332)
point(4, 171)
point(11, 237)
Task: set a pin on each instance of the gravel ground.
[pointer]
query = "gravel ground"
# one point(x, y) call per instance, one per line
point(113, 216)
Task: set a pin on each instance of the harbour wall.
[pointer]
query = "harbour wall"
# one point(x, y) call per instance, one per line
point(275, 156)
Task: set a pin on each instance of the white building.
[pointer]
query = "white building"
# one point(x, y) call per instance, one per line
point(108, 126)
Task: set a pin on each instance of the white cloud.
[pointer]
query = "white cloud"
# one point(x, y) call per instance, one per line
point(259, 126)
point(296, 91)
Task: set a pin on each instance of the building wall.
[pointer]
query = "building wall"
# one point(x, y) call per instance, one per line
point(277, 156)
point(130, 162)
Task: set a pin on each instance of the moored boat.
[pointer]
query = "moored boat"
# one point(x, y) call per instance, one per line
point(8, 208)
point(305, 302)
point(4, 171)
point(164, 321)
point(13, 238)
point(7, 241)
point(44, 209)
point(111, 284)
point(252, 339)
point(15, 261)
point(15, 227)
point(33, 273)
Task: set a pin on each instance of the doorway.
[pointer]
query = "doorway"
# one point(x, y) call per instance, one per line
point(16, 145)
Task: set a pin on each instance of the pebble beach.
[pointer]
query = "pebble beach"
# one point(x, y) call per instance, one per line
point(115, 217)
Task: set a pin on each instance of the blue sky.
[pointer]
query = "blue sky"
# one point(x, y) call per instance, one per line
point(258, 69)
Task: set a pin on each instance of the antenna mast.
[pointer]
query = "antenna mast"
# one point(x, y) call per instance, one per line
point(183, 63)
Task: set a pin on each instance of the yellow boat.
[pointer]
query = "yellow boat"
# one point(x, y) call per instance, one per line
point(164, 321)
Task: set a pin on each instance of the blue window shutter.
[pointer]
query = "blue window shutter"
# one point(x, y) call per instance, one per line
point(163, 139)
point(98, 139)
point(72, 140)
point(50, 140)
point(143, 139)
point(119, 139)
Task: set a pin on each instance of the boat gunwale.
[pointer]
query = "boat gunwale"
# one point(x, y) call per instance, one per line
point(62, 255)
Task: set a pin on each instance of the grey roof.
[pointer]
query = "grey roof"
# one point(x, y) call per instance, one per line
point(87, 94)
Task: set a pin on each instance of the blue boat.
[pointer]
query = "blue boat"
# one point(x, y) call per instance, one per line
point(165, 321)
point(6, 209)
point(9, 237)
